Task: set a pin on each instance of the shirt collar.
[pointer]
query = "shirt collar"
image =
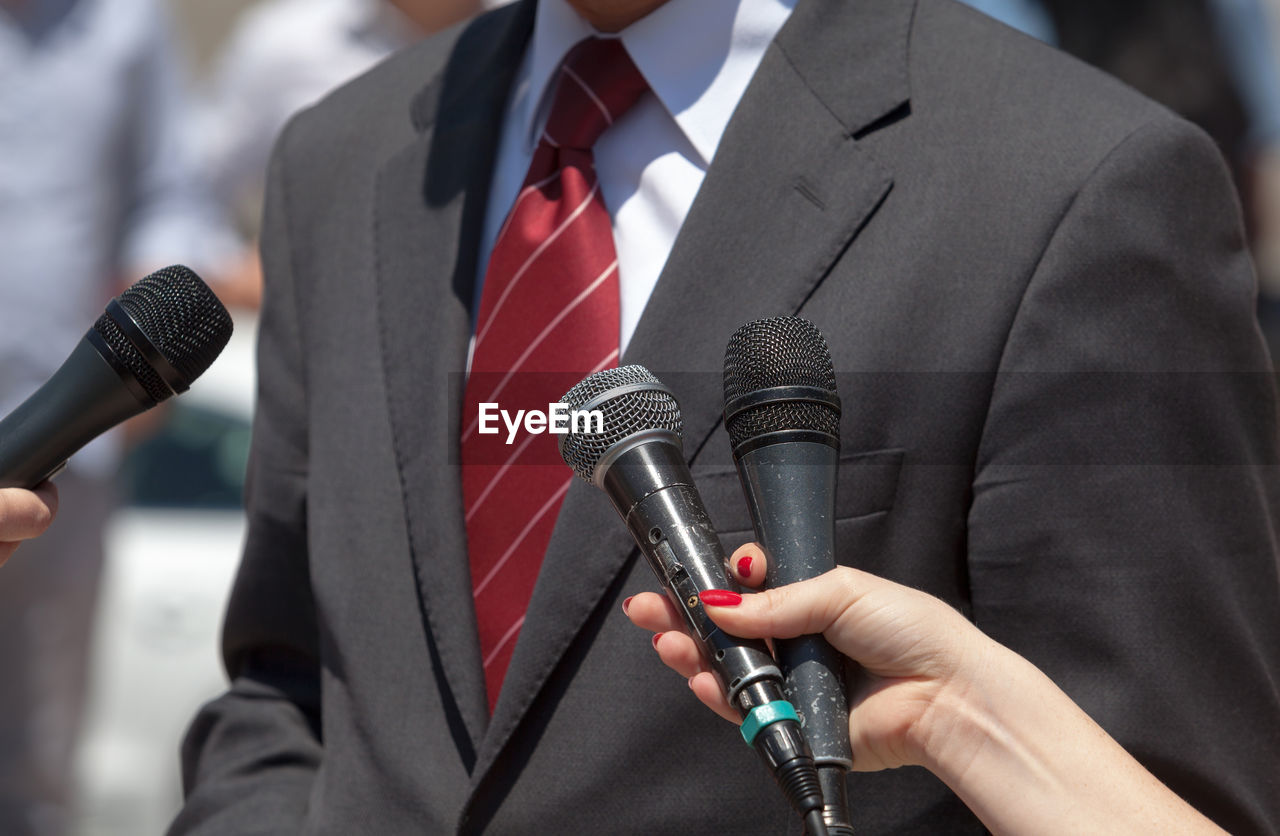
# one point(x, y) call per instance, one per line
point(697, 55)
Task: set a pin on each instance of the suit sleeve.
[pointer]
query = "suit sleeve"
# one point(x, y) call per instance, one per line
point(1122, 532)
point(250, 756)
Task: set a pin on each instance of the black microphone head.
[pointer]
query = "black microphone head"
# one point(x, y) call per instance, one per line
point(632, 401)
point(775, 354)
point(182, 320)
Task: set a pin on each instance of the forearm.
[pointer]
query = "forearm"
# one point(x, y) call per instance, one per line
point(1026, 759)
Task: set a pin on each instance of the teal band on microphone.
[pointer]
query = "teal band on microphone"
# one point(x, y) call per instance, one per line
point(765, 715)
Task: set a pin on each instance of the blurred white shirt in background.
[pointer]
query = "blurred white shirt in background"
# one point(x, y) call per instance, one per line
point(97, 185)
point(282, 56)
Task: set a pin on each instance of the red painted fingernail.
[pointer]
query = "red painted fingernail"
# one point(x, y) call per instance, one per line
point(656, 636)
point(744, 566)
point(720, 598)
point(626, 604)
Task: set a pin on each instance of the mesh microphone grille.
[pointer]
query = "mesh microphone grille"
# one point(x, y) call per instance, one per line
point(782, 351)
point(182, 316)
point(624, 415)
point(132, 359)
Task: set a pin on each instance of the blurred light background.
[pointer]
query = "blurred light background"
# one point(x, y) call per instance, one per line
point(179, 168)
point(134, 134)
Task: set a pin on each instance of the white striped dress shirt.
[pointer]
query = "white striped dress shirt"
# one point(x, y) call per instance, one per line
point(698, 57)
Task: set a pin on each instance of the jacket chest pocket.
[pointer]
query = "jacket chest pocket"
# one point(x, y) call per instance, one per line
point(866, 487)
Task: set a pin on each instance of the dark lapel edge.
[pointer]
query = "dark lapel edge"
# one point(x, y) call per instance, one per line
point(429, 211)
point(787, 192)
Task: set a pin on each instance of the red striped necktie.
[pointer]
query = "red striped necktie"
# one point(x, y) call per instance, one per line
point(548, 317)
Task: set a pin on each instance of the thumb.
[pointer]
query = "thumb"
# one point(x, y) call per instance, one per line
point(893, 630)
point(26, 514)
point(798, 609)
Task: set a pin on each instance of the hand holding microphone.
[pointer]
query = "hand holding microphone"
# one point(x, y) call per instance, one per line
point(151, 343)
point(939, 693)
point(910, 644)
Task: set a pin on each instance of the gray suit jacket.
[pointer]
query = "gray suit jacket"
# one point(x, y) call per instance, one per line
point(1059, 417)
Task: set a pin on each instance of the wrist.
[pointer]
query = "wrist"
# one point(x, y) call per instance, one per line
point(958, 720)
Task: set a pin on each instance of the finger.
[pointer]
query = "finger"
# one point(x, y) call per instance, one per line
point(6, 550)
point(48, 493)
point(797, 609)
point(26, 514)
point(853, 609)
point(652, 612)
point(891, 629)
point(676, 649)
point(706, 688)
point(678, 652)
point(748, 565)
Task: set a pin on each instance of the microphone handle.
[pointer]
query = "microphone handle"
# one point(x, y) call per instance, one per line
point(652, 489)
point(670, 524)
point(790, 489)
point(85, 397)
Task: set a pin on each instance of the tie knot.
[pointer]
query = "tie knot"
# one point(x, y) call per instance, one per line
point(598, 83)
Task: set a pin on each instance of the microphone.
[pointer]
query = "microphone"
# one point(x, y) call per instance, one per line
point(783, 417)
point(152, 342)
point(635, 455)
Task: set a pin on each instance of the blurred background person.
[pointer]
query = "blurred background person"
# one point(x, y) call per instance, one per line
point(97, 187)
point(282, 56)
point(1028, 15)
point(106, 172)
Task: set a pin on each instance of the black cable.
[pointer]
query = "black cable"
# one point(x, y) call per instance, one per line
point(782, 747)
point(814, 825)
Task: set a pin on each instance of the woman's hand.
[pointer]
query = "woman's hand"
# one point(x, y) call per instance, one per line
point(24, 515)
point(938, 693)
point(915, 650)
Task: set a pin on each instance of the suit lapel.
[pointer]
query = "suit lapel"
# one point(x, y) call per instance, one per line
point(787, 192)
point(429, 213)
